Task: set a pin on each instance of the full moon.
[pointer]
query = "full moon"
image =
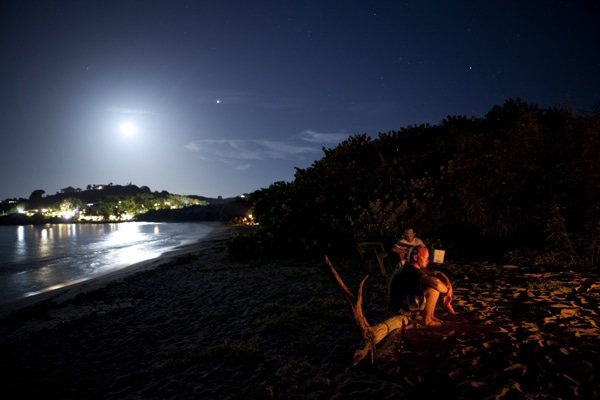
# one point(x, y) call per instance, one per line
point(127, 128)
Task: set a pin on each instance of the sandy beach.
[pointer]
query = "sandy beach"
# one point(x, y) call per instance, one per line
point(197, 324)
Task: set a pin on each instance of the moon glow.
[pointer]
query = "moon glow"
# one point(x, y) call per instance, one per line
point(127, 128)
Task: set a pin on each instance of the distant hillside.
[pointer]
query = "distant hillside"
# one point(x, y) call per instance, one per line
point(220, 211)
point(106, 192)
point(118, 203)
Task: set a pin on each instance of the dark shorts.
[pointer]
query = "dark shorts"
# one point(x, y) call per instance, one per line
point(414, 301)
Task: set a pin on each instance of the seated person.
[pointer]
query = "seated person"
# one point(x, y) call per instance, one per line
point(414, 288)
point(404, 245)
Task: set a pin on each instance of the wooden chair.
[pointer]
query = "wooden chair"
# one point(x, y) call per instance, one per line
point(374, 252)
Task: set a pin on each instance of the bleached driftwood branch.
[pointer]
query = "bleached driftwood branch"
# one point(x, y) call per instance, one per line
point(371, 335)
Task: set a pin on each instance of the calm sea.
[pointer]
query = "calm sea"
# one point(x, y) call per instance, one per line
point(34, 259)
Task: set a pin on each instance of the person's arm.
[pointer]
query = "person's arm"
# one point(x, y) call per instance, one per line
point(436, 283)
point(446, 281)
point(400, 249)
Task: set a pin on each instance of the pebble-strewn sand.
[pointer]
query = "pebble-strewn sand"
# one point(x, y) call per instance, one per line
point(198, 325)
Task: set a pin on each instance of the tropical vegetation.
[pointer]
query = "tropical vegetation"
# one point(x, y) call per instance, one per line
point(520, 179)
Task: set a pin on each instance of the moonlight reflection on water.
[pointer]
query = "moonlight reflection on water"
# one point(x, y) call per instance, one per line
point(34, 259)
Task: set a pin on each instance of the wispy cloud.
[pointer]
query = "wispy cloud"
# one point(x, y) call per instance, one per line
point(323, 138)
point(241, 153)
point(121, 110)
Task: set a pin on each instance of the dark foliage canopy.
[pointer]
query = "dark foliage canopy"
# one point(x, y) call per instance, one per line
point(521, 177)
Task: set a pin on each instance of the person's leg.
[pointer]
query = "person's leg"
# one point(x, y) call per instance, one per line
point(432, 296)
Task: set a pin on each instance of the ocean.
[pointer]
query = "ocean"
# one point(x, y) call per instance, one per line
point(35, 259)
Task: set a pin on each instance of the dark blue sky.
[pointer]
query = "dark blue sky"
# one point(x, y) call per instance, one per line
point(227, 97)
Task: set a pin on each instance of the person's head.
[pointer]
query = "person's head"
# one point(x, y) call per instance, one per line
point(410, 234)
point(420, 256)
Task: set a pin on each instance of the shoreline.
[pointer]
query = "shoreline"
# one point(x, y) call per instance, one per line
point(70, 290)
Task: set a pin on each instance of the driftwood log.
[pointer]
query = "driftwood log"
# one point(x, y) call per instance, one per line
point(371, 335)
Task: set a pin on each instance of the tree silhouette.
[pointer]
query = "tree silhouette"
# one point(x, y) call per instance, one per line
point(36, 195)
point(519, 177)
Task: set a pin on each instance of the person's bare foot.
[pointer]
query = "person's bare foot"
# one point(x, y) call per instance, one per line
point(433, 318)
point(434, 323)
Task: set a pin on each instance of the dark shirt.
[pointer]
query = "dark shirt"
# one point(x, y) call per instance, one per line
point(406, 282)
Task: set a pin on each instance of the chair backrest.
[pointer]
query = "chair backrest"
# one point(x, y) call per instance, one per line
point(365, 249)
point(374, 246)
point(375, 251)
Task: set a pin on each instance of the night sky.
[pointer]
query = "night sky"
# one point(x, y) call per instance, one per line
point(227, 97)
